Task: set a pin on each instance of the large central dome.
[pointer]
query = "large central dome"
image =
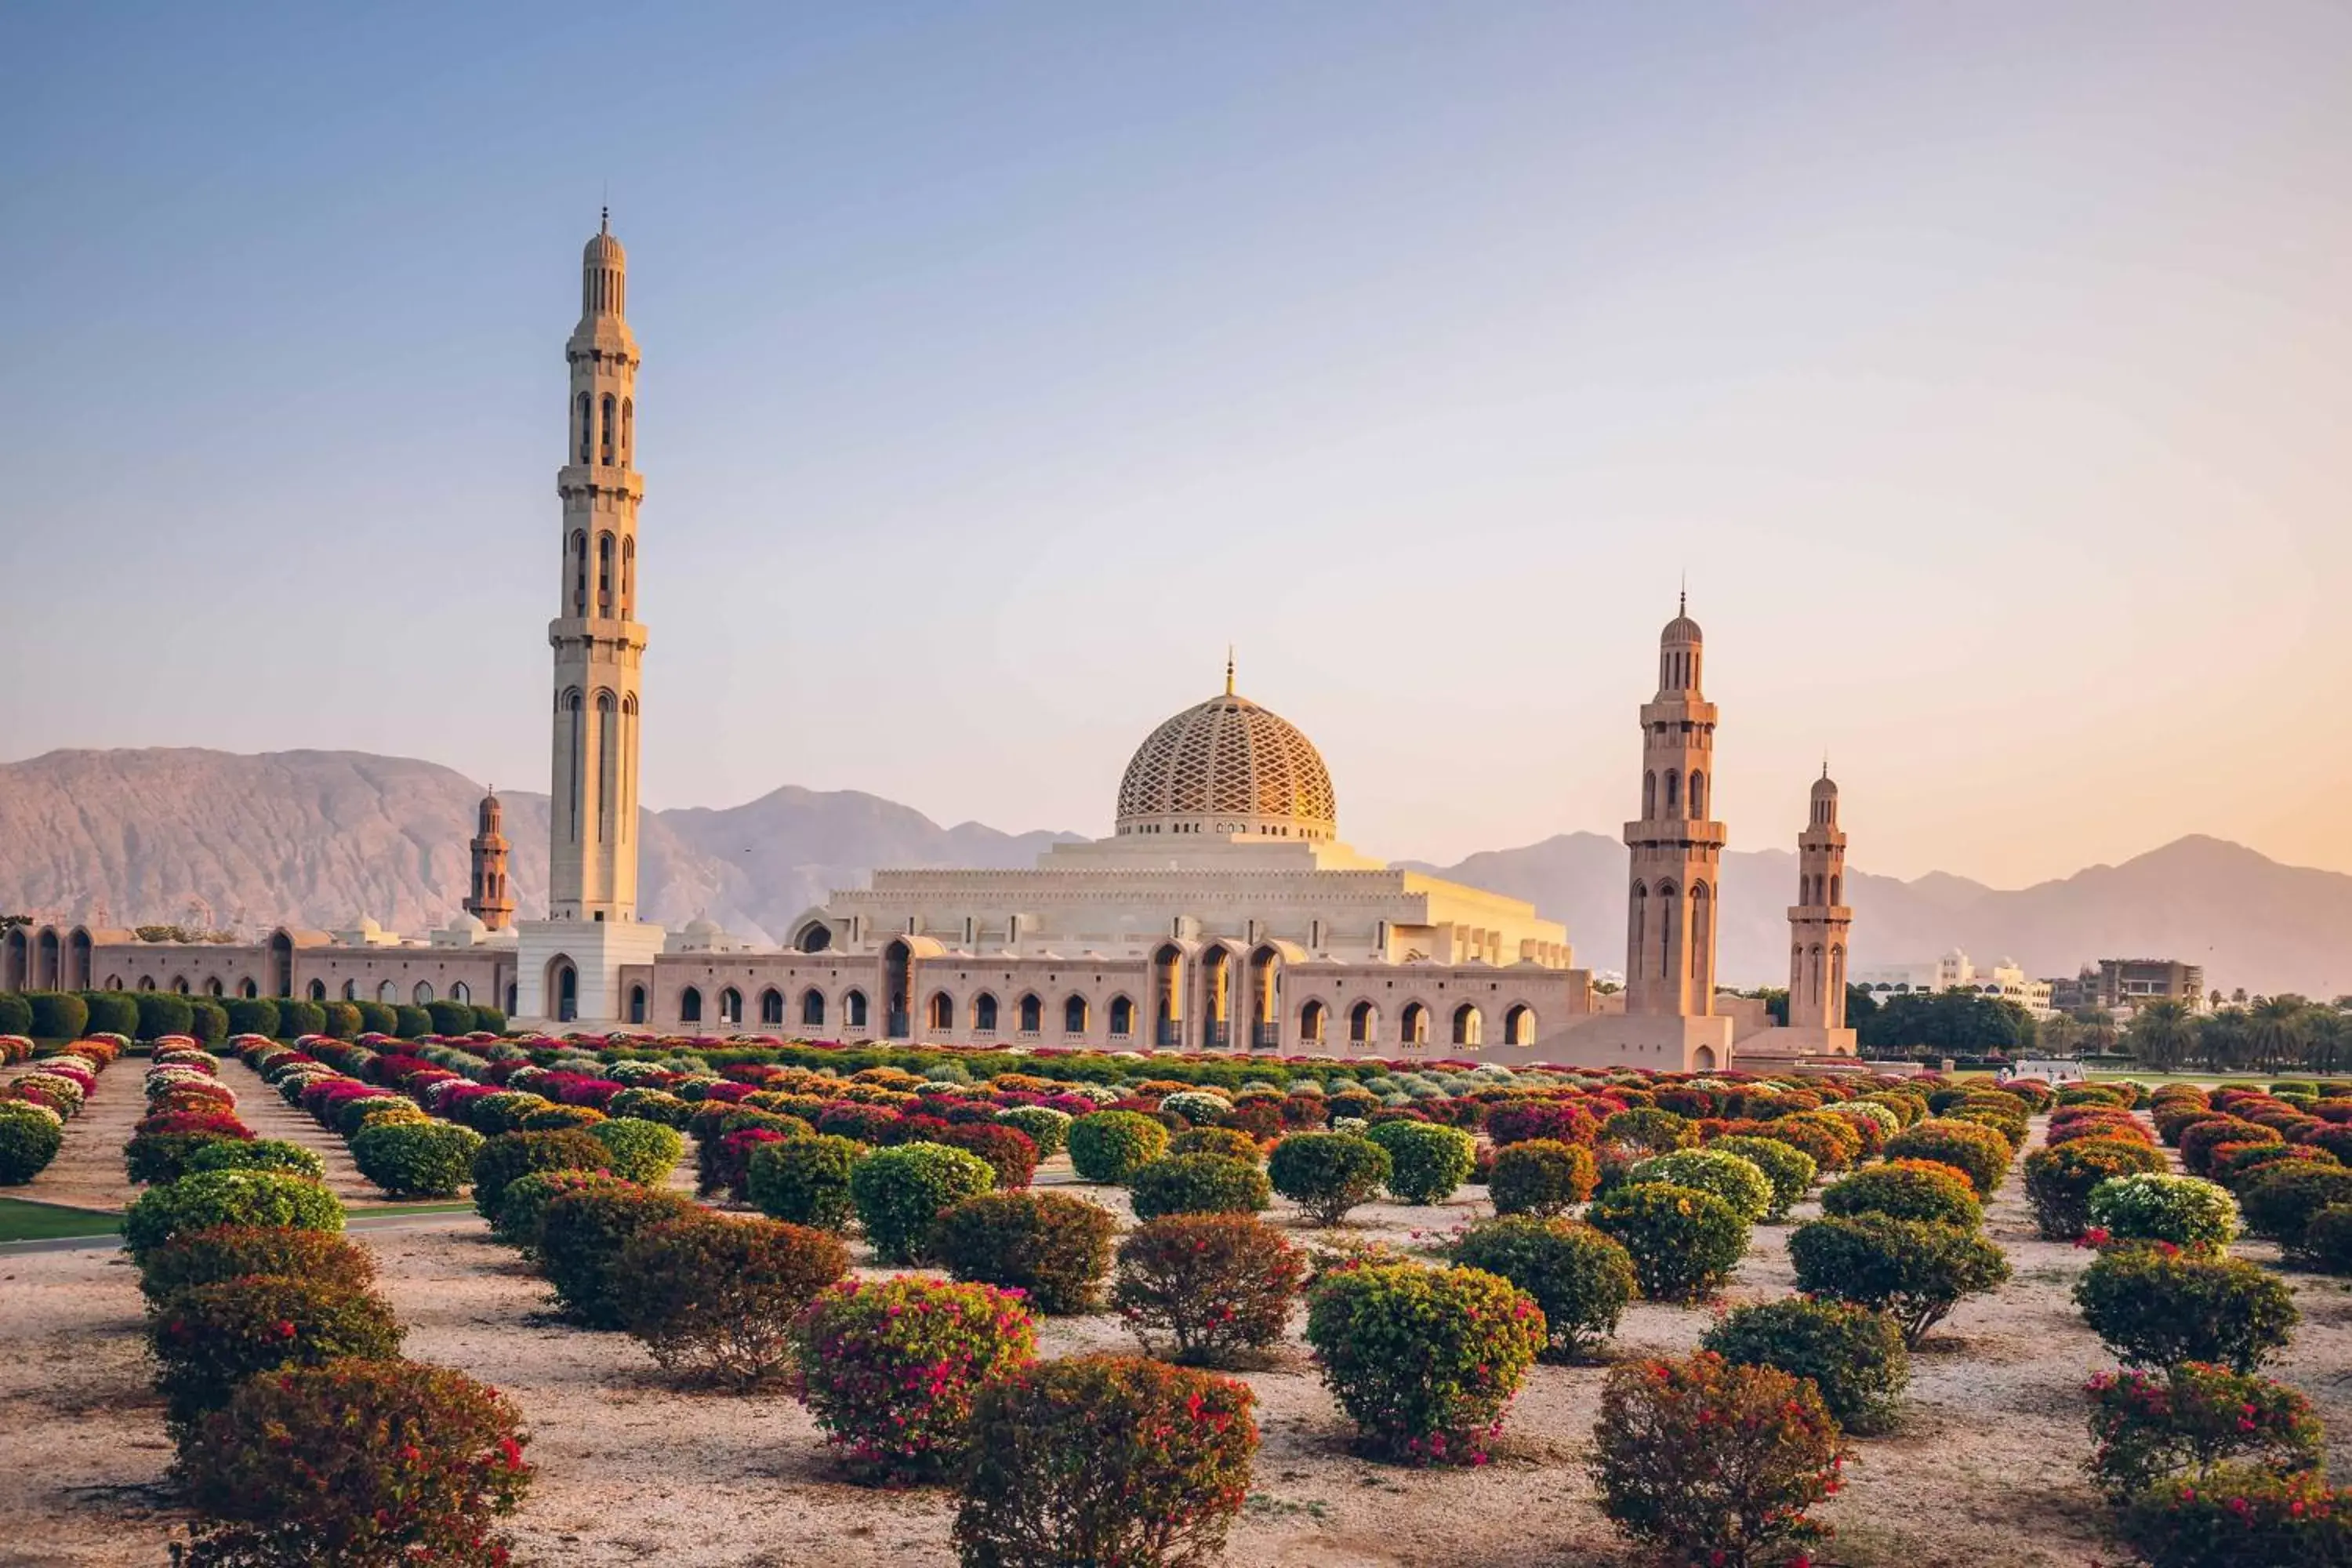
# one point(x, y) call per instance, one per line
point(1228, 767)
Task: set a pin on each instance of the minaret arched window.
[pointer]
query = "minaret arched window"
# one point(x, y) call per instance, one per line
point(605, 575)
point(1698, 794)
point(628, 579)
point(608, 746)
point(1837, 889)
point(579, 572)
point(1673, 790)
point(628, 430)
point(1650, 794)
point(611, 433)
point(587, 429)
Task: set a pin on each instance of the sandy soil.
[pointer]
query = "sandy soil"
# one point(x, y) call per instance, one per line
point(1985, 1470)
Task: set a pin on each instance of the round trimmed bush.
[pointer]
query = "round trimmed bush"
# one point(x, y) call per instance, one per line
point(1105, 1460)
point(1915, 1270)
point(1727, 1176)
point(1231, 1142)
point(1108, 1146)
point(639, 1151)
point(1855, 1357)
point(1007, 1150)
point(207, 1338)
point(417, 1159)
point(2237, 1515)
point(400, 1463)
point(523, 1207)
point(1646, 1127)
point(900, 1192)
point(582, 1235)
point(2327, 1243)
point(234, 1252)
point(1789, 1169)
point(1683, 1242)
point(1198, 1183)
point(557, 1118)
point(2159, 1309)
point(1427, 1162)
point(1907, 1189)
point(2279, 1204)
point(1979, 1152)
point(2199, 1141)
point(1541, 1176)
point(259, 1154)
point(1042, 1125)
point(714, 1298)
point(28, 1142)
point(213, 1198)
point(2152, 1206)
point(1582, 1280)
point(508, 1155)
point(805, 1181)
point(1425, 1360)
point(2058, 1180)
point(1220, 1287)
point(890, 1369)
point(2175, 1425)
point(1052, 1248)
point(1327, 1174)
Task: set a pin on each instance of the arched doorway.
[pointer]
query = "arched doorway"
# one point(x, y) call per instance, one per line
point(1363, 1023)
point(853, 1010)
point(563, 990)
point(1314, 1019)
point(1519, 1024)
point(281, 964)
point(1469, 1026)
point(898, 962)
point(983, 1014)
point(1703, 1059)
point(16, 967)
point(771, 1006)
point(1216, 999)
point(1033, 1015)
point(730, 1008)
point(1167, 997)
point(1265, 1000)
point(1413, 1024)
point(318, 991)
point(1122, 1019)
point(637, 1004)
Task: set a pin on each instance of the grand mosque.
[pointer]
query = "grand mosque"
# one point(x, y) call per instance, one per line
point(1223, 912)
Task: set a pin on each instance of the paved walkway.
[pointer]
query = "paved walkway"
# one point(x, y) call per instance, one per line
point(88, 1170)
point(269, 1116)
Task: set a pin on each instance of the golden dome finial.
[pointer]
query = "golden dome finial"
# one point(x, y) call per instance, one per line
point(1229, 669)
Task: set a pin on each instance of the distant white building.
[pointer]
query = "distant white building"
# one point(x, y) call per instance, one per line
point(1956, 971)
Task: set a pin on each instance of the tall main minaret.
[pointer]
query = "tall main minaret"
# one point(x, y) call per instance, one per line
point(1676, 847)
point(598, 641)
point(1818, 921)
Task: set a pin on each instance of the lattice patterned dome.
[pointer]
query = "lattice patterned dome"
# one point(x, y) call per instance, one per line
point(1225, 766)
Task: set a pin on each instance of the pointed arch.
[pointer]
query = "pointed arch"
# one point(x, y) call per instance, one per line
point(1363, 1023)
point(689, 1004)
point(1031, 1014)
point(984, 1013)
point(812, 1009)
point(1313, 1021)
point(772, 1007)
point(853, 1009)
point(1076, 1015)
point(1519, 1024)
point(1122, 1018)
point(1469, 1026)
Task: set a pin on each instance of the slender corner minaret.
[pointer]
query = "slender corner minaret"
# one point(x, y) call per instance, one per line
point(488, 900)
point(1676, 847)
point(1819, 920)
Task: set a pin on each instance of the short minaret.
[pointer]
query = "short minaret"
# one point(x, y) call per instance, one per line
point(1819, 920)
point(1676, 847)
point(488, 900)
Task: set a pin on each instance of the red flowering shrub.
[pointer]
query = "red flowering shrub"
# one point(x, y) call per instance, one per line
point(715, 1297)
point(1111, 1461)
point(1714, 1462)
point(2330, 1138)
point(2238, 1165)
point(890, 1369)
point(501, 1159)
point(2198, 1141)
point(160, 1145)
point(1220, 1287)
point(1561, 1121)
point(2235, 1516)
point(1979, 1152)
point(2151, 1428)
point(2058, 1180)
point(1305, 1111)
point(1582, 1280)
point(207, 1338)
point(1051, 1246)
point(1425, 1360)
point(355, 1462)
point(867, 1123)
point(1009, 1151)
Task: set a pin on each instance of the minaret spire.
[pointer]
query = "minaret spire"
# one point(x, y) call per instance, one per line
point(1229, 669)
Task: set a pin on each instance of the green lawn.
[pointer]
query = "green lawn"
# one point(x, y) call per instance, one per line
point(22, 1221)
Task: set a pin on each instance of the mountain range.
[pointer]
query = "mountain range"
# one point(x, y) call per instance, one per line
point(318, 838)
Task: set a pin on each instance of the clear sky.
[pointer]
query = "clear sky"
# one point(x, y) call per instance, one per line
point(1987, 367)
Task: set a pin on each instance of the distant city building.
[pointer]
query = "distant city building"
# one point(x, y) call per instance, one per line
point(2131, 983)
point(1956, 971)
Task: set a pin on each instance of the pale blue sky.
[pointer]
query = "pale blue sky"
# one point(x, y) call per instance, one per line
point(1987, 366)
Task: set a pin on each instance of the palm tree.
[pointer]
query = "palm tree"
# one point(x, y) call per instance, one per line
point(2276, 1030)
point(2160, 1033)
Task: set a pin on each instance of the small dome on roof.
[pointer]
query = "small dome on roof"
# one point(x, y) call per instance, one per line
point(603, 249)
point(703, 928)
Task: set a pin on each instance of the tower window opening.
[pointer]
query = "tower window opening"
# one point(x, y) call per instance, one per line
point(628, 429)
point(604, 448)
point(587, 429)
point(605, 574)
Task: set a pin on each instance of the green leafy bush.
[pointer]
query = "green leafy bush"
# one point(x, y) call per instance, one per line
point(1045, 1127)
point(1582, 1278)
point(1683, 1242)
point(2058, 1180)
point(28, 1142)
point(890, 1369)
point(259, 1155)
point(58, 1015)
point(1727, 1176)
point(649, 1105)
point(1977, 1152)
point(214, 1198)
point(805, 1181)
point(582, 1235)
point(1713, 1462)
point(559, 1119)
point(207, 1338)
point(2151, 1206)
point(400, 1463)
point(1789, 1169)
point(1198, 1183)
point(2198, 1140)
point(900, 1192)
point(1425, 1360)
point(639, 1151)
point(233, 1252)
point(1915, 1270)
point(1052, 1248)
point(1231, 1142)
point(1107, 1460)
point(1855, 1357)
point(1110, 1146)
point(1426, 1162)
point(1219, 1286)
point(1007, 1150)
point(508, 1155)
point(2240, 1515)
point(2327, 1240)
point(522, 1209)
point(2155, 1308)
point(2179, 1425)
point(2279, 1204)
point(416, 1159)
point(1907, 1189)
point(1327, 1174)
point(714, 1298)
point(1541, 1176)
point(252, 1015)
point(1646, 1127)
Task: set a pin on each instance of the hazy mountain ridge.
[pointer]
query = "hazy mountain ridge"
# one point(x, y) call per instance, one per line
point(317, 837)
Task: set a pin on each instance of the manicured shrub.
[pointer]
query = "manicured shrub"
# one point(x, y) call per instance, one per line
point(649, 1105)
point(2235, 1516)
point(1727, 1176)
point(1260, 1118)
point(259, 1154)
point(714, 1298)
point(2151, 1206)
point(2237, 1165)
point(1907, 1189)
point(1327, 1174)
point(234, 1252)
point(160, 1148)
point(1541, 1176)
point(2156, 1308)
point(805, 1181)
point(58, 1015)
point(508, 1155)
point(410, 1023)
point(900, 1192)
point(1855, 1357)
point(1646, 1127)
point(582, 1235)
point(1582, 1278)
point(2279, 1204)
point(522, 1209)
point(377, 1018)
point(207, 1338)
point(1052, 1248)
point(1712, 1462)
point(1219, 1286)
point(638, 1151)
point(29, 1140)
point(1426, 1162)
point(252, 1015)
point(1107, 1460)
point(1044, 1126)
point(2199, 1141)
point(559, 1117)
point(1977, 1152)
point(1198, 1183)
point(1789, 1169)
point(1916, 1270)
point(17, 1017)
point(1231, 1142)
point(890, 1369)
point(417, 1159)
point(2177, 1424)
point(1007, 1150)
point(2327, 1243)
point(398, 1463)
point(2058, 1180)
point(1425, 1360)
point(213, 1198)
point(110, 1012)
point(1111, 1145)
point(1683, 1242)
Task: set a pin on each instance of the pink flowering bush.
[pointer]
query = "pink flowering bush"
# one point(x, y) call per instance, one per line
point(2177, 1425)
point(2238, 1516)
point(1425, 1360)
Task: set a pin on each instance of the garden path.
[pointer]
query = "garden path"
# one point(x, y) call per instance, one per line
point(88, 1170)
point(269, 1116)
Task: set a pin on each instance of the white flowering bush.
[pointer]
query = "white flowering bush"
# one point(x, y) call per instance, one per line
point(2185, 1210)
point(1197, 1104)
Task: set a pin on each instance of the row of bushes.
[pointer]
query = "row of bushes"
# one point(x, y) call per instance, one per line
point(210, 1020)
point(36, 1105)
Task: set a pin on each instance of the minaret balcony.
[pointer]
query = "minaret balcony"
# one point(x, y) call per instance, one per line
point(597, 629)
point(599, 479)
point(1820, 914)
point(1676, 833)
